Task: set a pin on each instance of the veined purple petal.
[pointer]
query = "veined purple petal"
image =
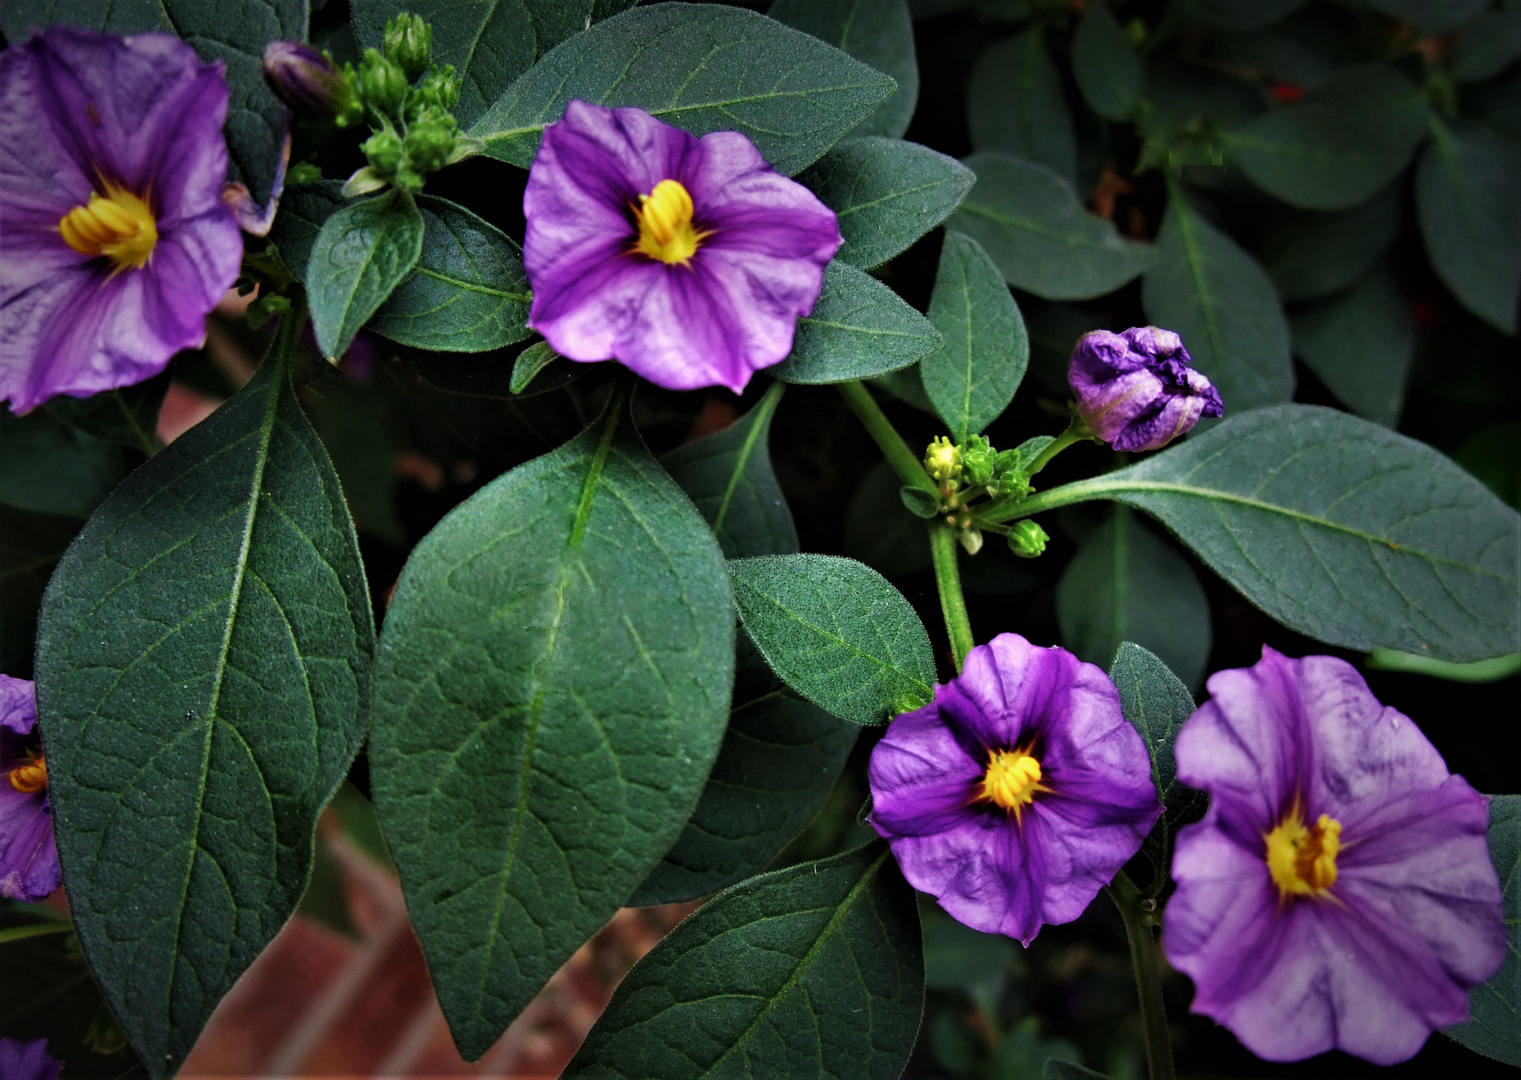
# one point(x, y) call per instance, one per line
point(1137, 390)
point(922, 779)
point(27, 1060)
point(28, 858)
point(18, 706)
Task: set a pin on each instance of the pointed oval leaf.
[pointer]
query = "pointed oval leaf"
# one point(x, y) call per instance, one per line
point(836, 632)
point(972, 377)
point(812, 971)
point(304, 208)
point(1360, 344)
point(875, 32)
point(127, 415)
point(1015, 105)
point(1323, 253)
point(203, 673)
point(1107, 70)
point(1496, 1004)
point(886, 194)
point(1032, 224)
point(553, 683)
point(858, 329)
point(361, 254)
point(1156, 703)
point(701, 67)
point(1432, 16)
point(51, 467)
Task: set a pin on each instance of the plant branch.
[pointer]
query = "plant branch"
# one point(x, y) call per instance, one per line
point(1148, 975)
point(948, 583)
point(904, 461)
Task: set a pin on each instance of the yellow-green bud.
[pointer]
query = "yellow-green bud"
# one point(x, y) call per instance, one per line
point(943, 459)
point(408, 41)
point(382, 83)
point(430, 141)
point(1027, 539)
point(383, 151)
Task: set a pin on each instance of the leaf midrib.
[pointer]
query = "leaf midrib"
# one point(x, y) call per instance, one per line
point(761, 423)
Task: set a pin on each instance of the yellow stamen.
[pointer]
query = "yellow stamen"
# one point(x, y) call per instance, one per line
point(1012, 779)
point(118, 225)
point(665, 224)
point(30, 778)
point(1302, 858)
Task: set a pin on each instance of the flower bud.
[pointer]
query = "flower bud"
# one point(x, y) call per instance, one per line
point(978, 461)
point(383, 150)
point(307, 81)
point(1138, 390)
point(408, 41)
point(382, 83)
point(943, 459)
point(1027, 539)
point(430, 141)
point(438, 90)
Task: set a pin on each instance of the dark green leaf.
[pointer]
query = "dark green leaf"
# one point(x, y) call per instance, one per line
point(917, 501)
point(1234, 14)
point(1495, 1006)
point(1321, 254)
point(1126, 584)
point(1468, 200)
point(128, 415)
point(356, 425)
point(361, 254)
point(1340, 529)
point(304, 208)
point(1039, 236)
point(1107, 69)
point(816, 970)
point(1338, 146)
point(1015, 105)
point(1486, 47)
point(1057, 1069)
point(1360, 345)
point(779, 759)
point(701, 67)
point(1204, 287)
point(837, 633)
point(886, 194)
point(1431, 16)
point(553, 683)
point(875, 32)
point(1493, 454)
point(880, 531)
point(972, 377)
point(1156, 704)
point(203, 673)
point(532, 362)
point(30, 543)
point(859, 328)
point(1182, 101)
point(955, 954)
point(232, 31)
point(728, 475)
point(52, 467)
point(468, 292)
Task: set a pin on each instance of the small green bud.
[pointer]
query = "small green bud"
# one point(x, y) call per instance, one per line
point(943, 459)
point(382, 83)
point(439, 90)
point(1027, 539)
point(408, 41)
point(978, 459)
point(971, 539)
point(430, 141)
point(302, 172)
point(383, 150)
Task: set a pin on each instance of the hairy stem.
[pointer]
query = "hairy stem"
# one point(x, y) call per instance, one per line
point(948, 582)
point(904, 461)
point(1076, 432)
point(1148, 976)
point(31, 930)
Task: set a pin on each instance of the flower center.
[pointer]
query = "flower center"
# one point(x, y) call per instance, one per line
point(1012, 779)
point(665, 224)
point(32, 777)
point(1302, 858)
point(118, 225)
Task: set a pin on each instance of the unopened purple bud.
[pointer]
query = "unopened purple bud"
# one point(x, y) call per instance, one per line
point(306, 80)
point(1138, 390)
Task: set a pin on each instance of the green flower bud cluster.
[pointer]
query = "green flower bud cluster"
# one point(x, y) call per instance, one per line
point(967, 471)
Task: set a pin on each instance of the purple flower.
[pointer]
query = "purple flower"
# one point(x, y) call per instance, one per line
point(28, 857)
point(309, 84)
point(689, 260)
point(1136, 390)
point(27, 1061)
point(1018, 792)
point(1339, 892)
point(114, 240)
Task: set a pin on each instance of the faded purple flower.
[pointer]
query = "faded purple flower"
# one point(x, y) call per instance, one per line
point(307, 81)
point(688, 260)
point(1018, 792)
point(114, 239)
point(1339, 893)
point(27, 1060)
point(1137, 390)
point(28, 857)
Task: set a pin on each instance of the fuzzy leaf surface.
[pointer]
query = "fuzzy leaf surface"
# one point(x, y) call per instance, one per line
point(858, 329)
point(1360, 344)
point(1016, 105)
point(875, 32)
point(1107, 70)
point(361, 254)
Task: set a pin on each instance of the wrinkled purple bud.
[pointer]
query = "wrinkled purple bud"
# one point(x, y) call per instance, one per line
point(1138, 390)
point(306, 80)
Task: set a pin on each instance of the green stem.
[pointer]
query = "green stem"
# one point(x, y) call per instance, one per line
point(1096, 487)
point(1076, 432)
point(31, 930)
point(1148, 975)
point(904, 461)
point(948, 582)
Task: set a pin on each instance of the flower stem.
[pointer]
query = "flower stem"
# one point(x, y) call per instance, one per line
point(20, 933)
point(1148, 976)
point(1076, 432)
point(948, 582)
point(903, 460)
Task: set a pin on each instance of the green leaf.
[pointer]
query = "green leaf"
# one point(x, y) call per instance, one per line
point(128, 415)
point(837, 633)
point(886, 194)
point(1156, 703)
point(1486, 47)
point(1468, 201)
point(552, 687)
point(30, 544)
point(1057, 1069)
point(1183, 103)
point(1339, 529)
point(232, 31)
point(880, 530)
point(1127, 584)
point(1360, 345)
point(1493, 454)
point(361, 254)
point(203, 674)
point(859, 328)
point(1234, 14)
point(1107, 70)
point(779, 759)
point(816, 970)
point(1340, 145)
point(1015, 105)
point(1323, 253)
point(468, 291)
point(875, 32)
point(1495, 1029)
point(728, 475)
point(51, 467)
point(701, 67)
point(1204, 287)
point(1042, 240)
point(1431, 16)
point(1479, 671)
point(532, 362)
point(304, 208)
point(973, 376)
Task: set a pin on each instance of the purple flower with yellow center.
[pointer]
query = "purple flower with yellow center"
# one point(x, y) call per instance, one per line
point(28, 857)
point(1138, 390)
point(1339, 892)
point(1018, 792)
point(688, 260)
point(27, 1060)
point(114, 239)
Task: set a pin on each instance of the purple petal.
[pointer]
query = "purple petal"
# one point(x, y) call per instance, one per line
point(981, 872)
point(28, 858)
point(18, 704)
point(27, 1060)
point(922, 778)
